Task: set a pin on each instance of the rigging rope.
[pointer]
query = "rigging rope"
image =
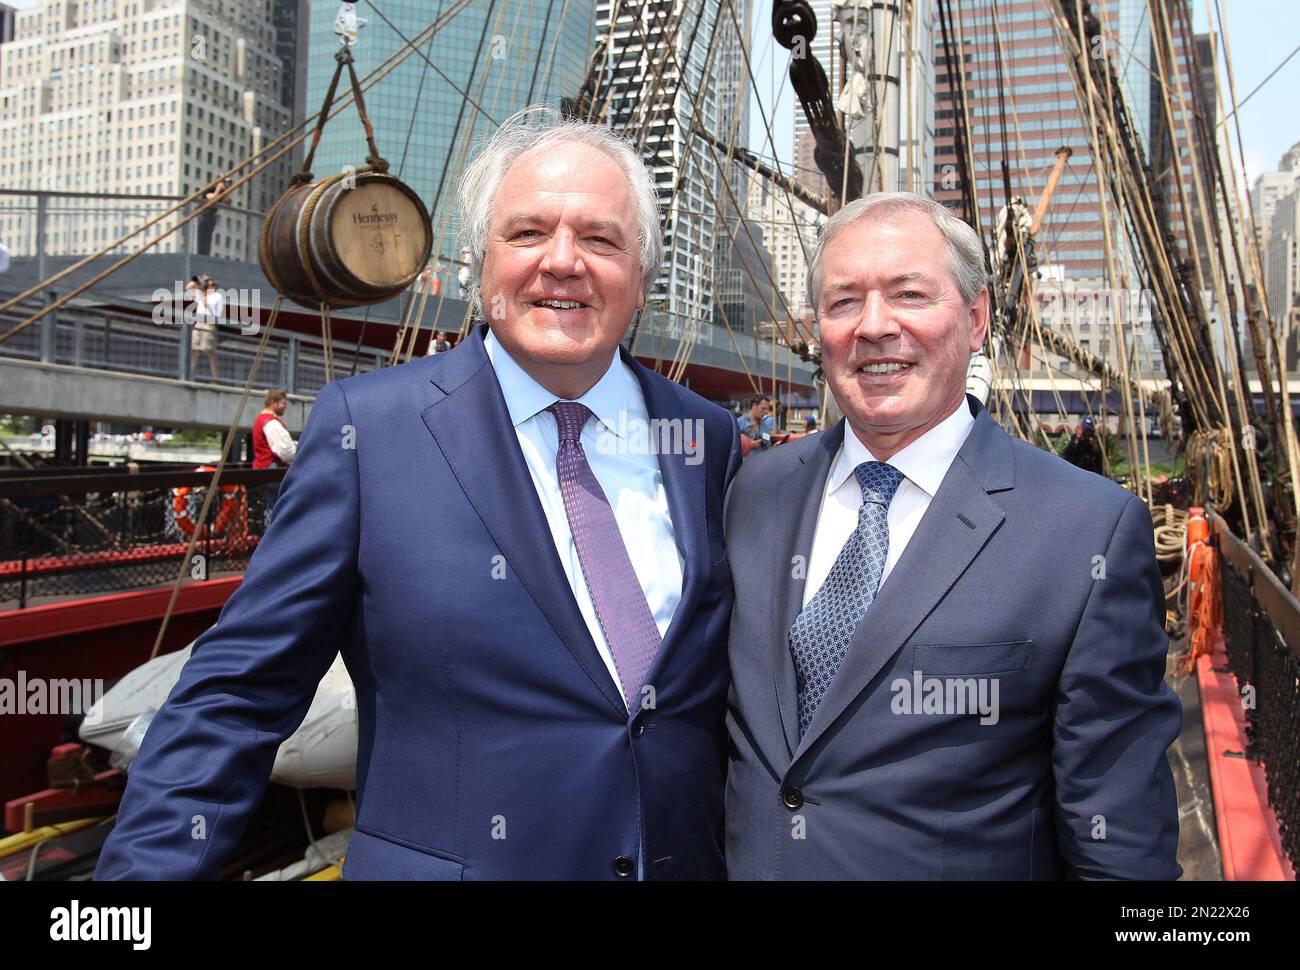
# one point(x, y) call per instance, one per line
point(213, 489)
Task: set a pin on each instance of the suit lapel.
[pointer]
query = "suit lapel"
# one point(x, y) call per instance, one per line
point(684, 485)
point(960, 520)
point(793, 535)
point(472, 427)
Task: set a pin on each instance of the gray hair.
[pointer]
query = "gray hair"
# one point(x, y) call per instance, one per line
point(965, 252)
point(525, 131)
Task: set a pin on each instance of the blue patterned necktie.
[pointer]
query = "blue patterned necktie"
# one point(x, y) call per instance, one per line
point(821, 633)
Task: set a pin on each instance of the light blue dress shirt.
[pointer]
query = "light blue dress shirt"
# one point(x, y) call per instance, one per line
point(628, 474)
point(746, 424)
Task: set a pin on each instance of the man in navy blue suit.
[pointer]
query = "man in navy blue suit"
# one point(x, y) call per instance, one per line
point(952, 664)
point(517, 547)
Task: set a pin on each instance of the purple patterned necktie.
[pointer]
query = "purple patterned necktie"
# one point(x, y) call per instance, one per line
point(625, 617)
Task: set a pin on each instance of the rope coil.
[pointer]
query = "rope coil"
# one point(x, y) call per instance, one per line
point(1210, 469)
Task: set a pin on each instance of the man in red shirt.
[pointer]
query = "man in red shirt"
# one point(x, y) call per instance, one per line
point(272, 446)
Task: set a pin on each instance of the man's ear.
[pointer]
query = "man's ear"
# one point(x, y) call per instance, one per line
point(979, 320)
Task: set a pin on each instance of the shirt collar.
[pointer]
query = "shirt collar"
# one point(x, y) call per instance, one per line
point(924, 462)
point(525, 398)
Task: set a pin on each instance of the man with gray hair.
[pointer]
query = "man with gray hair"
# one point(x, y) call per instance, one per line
point(957, 669)
point(539, 653)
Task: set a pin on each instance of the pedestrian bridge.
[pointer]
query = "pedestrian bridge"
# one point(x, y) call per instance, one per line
point(118, 353)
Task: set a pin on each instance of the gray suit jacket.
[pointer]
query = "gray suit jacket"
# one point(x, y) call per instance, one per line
point(1001, 713)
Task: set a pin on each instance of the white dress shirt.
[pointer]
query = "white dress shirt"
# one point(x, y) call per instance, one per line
point(631, 482)
point(278, 439)
point(924, 462)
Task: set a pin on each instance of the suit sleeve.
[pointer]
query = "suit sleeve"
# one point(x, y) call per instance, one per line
point(733, 460)
point(204, 764)
point(1116, 811)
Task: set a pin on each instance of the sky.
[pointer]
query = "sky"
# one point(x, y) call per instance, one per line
point(1261, 34)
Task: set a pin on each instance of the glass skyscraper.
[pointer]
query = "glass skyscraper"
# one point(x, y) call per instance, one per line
point(503, 55)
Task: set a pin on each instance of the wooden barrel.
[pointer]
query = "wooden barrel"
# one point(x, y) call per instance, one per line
point(348, 240)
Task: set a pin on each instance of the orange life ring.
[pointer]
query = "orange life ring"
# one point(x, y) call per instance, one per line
point(233, 503)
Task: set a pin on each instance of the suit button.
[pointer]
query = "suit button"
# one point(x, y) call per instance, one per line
point(638, 730)
point(792, 797)
point(624, 866)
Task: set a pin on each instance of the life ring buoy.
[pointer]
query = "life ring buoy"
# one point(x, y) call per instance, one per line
point(233, 505)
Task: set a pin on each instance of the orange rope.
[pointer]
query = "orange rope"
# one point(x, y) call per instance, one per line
point(1205, 608)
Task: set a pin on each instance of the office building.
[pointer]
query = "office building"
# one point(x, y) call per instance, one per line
point(658, 85)
point(129, 96)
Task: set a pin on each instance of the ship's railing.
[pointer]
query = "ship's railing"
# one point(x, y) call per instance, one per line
point(1261, 631)
point(69, 534)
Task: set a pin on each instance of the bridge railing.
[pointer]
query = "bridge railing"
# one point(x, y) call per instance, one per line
point(112, 340)
point(96, 532)
point(59, 223)
point(658, 326)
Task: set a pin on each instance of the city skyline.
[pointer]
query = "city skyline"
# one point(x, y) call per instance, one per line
point(1258, 49)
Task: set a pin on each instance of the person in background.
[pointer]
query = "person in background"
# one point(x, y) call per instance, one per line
point(4, 258)
point(207, 220)
point(215, 299)
point(439, 344)
point(1084, 450)
point(272, 445)
point(757, 423)
point(203, 339)
point(809, 423)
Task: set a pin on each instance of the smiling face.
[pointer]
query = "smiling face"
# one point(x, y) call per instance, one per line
point(562, 273)
point(896, 334)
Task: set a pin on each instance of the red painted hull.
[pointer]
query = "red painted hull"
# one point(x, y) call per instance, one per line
point(101, 638)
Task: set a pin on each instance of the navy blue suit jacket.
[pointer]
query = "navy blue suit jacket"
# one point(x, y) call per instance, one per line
point(1025, 574)
point(409, 536)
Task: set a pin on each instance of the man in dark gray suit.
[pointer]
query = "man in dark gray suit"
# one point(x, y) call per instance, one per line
point(947, 650)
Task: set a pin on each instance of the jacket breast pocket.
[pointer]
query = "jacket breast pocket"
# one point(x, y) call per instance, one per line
point(967, 659)
point(372, 857)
